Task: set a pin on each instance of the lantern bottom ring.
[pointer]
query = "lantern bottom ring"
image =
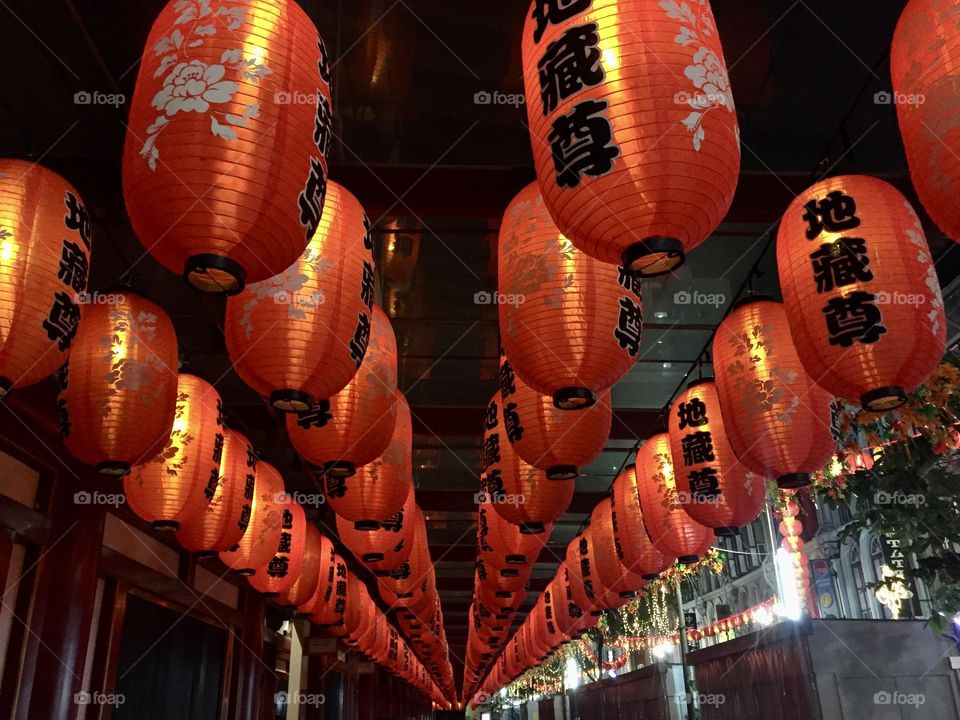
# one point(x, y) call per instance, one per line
point(502, 594)
point(113, 467)
point(214, 274)
point(5, 385)
point(205, 554)
point(650, 577)
point(294, 401)
point(531, 528)
point(372, 557)
point(339, 468)
point(688, 559)
point(727, 531)
point(165, 525)
point(654, 256)
point(516, 559)
point(793, 481)
point(574, 398)
point(366, 525)
point(883, 399)
point(563, 472)
point(270, 594)
point(596, 613)
point(628, 593)
point(245, 572)
point(509, 573)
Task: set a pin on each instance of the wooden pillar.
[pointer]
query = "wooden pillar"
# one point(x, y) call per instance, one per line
point(250, 658)
point(62, 614)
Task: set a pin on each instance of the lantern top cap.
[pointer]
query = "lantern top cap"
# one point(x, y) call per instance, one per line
point(751, 299)
point(699, 381)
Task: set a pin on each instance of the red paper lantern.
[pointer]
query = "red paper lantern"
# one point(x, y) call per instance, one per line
point(635, 549)
point(410, 581)
point(635, 140)
point(923, 66)
point(672, 531)
point(44, 264)
point(612, 574)
point(281, 572)
point(860, 290)
point(300, 336)
point(328, 601)
point(503, 546)
point(388, 545)
point(505, 580)
point(308, 579)
point(181, 480)
point(570, 325)
point(223, 521)
point(776, 417)
point(554, 440)
point(262, 536)
point(119, 391)
point(568, 615)
point(529, 499)
point(224, 166)
point(714, 487)
point(581, 565)
point(358, 425)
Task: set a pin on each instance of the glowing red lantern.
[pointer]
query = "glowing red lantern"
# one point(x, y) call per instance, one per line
point(635, 549)
point(262, 536)
point(119, 392)
point(224, 166)
point(570, 325)
point(358, 424)
point(581, 565)
point(308, 579)
point(776, 417)
point(280, 573)
point(923, 66)
point(44, 264)
point(223, 521)
point(635, 142)
point(180, 481)
point(299, 336)
point(388, 545)
point(613, 575)
point(502, 545)
point(554, 440)
point(714, 487)
point(378, 490)
point(860, 290)
point(328, 601)
point(672, 531)
point(529, 499)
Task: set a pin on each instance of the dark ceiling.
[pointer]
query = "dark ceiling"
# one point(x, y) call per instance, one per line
point(420, 154)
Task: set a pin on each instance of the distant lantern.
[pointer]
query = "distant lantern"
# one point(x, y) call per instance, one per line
point(118, 392)
point(861, 291)
point(672, 531)
point(570, 325)
point(581, 565)
point(44, 264)
point(262, 536)
point(378, 490)
point(308, 579)
point(635, 549)
point(776, 417)
point(181, 480)
point(554, 440)
point(528, 499)
point(503, 546)
point(389, 544)
point(925, 68)
point(330, 596)
point(282, 570)
point(613, 575)
point(358, 423)
point(633, 126)
point(223, 521)
point(225, 160)
point(300, 336)
point(714, 487)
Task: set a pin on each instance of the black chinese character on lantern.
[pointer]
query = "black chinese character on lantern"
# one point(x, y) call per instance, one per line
point(494, 482)
point(511, 422)
point(62, 320)
point(367, 233)
point(77, 218)
point(569, 65)
point(279, 566)
point(366, 285)
point(249, 486)
point(854, 318)
point(218, 447)
point(836, 212)
point(629, 281)
point(393, 523)
point(692, 414)
point(323, 65)
point(842, 263)
point(361, 338)
point(508, 380)
point(629, 326)
point(704, 484)
point(336, 486)
point(73, 268)
point(491, 420)
point(287, 520)
point(491, 450)
point(554, 12)
point(211, 489)
point(697, 448)
point(581, 142)
point(310, 200)
point(245, 512)
point(316, 417)
point(322, 125)
point(286, 543)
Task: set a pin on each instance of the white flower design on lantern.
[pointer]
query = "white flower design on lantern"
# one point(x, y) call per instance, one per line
point(192, 87)
point(710, 77)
